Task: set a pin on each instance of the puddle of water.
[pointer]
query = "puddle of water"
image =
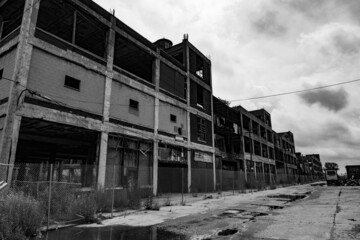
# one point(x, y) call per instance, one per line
point(291, 198)
point(112, 233)
point(227, 232)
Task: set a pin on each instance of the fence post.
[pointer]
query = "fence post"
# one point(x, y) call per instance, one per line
point(233, 184)
point(113, 192)
point(49, 200)
point(182, 185)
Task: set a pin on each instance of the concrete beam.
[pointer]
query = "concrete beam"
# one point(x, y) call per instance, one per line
point(200, 113)
point(93, 13)
point(201, 83)
point(47, 114)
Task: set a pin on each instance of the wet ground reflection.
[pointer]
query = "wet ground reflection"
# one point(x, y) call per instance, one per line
point(112, 233)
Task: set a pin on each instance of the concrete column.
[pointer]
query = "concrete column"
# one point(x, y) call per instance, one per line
point(156, 77)
point(20, 76)
point(187, 61)
point(107, 102)
point(109, 70)
point(102, 159)
point(213, 131)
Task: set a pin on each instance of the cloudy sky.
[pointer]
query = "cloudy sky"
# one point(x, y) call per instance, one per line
point(264, 47)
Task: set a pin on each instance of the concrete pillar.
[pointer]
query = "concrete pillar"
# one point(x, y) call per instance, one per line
point(156, 77)
point(213, 132)
point(107, 102)
point(102, 159)
point(187, 61)
point(20, 76)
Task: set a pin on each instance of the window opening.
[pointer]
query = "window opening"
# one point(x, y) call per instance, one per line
point(134, 104)
point(200, 96)
point(72, 83)
point(201, 129)
point(173, 118)
point(1, 73)
point(199, 66)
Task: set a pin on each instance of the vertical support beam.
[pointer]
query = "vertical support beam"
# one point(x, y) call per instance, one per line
point(242, 136)
point(156, 77)
point(187, 62)
point(106, 107)
point(20, 76)
point(212, 130)
point(102, 159)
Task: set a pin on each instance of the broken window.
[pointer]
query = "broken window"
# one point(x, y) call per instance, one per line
point(172, 81)
point(248, 144)
point(257, 148)
point(201, 129)
point(220, 142)
point(246, 122)
point(200, 96)
point(172, 153)
point(264, 151)
point(199, 66)
point(61, 20)
point(11, 13)
point(135, 60)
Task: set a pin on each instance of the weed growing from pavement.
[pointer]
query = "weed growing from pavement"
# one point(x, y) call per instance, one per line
point(167, 201)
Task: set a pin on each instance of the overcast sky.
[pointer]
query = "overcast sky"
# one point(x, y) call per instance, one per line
point(264, 47)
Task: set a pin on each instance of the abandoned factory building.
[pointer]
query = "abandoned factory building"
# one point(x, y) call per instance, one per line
point(83, 92)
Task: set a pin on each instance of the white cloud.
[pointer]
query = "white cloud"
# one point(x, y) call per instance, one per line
point(266, 47)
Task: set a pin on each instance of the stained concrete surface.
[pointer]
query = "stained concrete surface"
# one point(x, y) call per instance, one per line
point(324, 213)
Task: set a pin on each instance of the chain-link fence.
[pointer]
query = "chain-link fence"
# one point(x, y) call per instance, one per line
point(68, 192)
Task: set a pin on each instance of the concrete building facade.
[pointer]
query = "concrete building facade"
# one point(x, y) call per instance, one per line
point(83, 91)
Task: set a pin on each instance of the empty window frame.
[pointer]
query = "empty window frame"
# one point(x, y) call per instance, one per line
point(72, 83)
point(173, 118)
point(199, 66)
point(11, 13)
point(200, 96)
point(63, 20)
point(133, 104)
point(201, 129)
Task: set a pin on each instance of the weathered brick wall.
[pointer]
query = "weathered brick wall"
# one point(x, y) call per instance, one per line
point(47, 76)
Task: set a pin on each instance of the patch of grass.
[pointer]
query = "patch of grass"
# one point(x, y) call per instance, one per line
point(150, 203)
point(20, 216)
point(86, 206)
point(167, 201)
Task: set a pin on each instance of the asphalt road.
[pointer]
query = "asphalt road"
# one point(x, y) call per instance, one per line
point(298, 212)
